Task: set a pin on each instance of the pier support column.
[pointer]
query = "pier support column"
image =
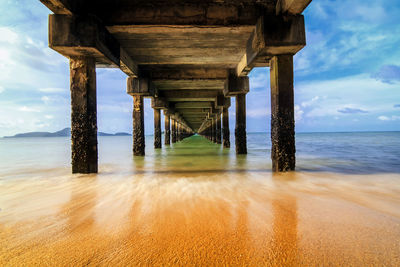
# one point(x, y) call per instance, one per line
point(178, 132)
point(138, 126)
point(83, 115)
point(167, 129)
point(225, 129)
point(157, 128)
point(213, 130)
point(218, 128)
point(282, 114)
point(173, 130)
point(240, 129)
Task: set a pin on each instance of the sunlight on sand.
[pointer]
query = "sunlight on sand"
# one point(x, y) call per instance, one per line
point(213, 218)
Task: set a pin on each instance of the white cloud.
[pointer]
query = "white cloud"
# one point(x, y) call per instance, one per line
point(7, 35)
point(52, 90)
point(259, 112)
point(45, 99)
point(310, 102)
point(392, 118)
point(1, 89)
point(354, 96)
point(28, 109)
point(298, 113)
point(49, 117)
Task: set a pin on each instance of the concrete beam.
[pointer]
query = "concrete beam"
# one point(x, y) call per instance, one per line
point(189, 95)
point(195, 104)
point(159, 103)
point(64, 7)
point(182, 13)
point(189, 84)
point(74, 36)
point(140, 86)
point(192, 110)
point(236, 85)
point(222, 102)
point(190, 73)
point(273, 35)
point(291, 6)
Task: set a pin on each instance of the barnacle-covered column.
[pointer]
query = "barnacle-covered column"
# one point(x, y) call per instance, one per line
point(225, 128)
point(138, 126)
point(240, 129)
point(157, 128)
point(167, 130)
point(83, 114)
point(282, 114)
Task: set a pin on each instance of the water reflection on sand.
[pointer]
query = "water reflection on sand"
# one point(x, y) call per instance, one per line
point(206, 208)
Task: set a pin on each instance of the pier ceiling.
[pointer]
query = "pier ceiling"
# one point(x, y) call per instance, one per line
point(138, 35)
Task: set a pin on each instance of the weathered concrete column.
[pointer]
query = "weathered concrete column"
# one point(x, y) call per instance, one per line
point(218, 128)
point(210, 131)
point(179, 132)
point(240, 129)
point(173, 132)
point(157, 128)
point(225, 129)
point(138, 126)
point(282, 114)
point(167, 130)
point(83, 115)
point(213, 137)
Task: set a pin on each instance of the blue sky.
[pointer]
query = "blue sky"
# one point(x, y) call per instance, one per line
point(347, 78)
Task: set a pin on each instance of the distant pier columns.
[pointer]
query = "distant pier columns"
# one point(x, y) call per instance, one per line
point(167, 130)
point(213, 130)
point(178, 131)
point(157, 128)
point(225, 128)
point(83, 115)
point(218, 128)
point(282, 114)
point(173, 130)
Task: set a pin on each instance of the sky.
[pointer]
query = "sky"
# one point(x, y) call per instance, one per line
point(347, 78)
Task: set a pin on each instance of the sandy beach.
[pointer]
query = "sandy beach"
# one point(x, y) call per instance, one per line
point(198, 204)
point(249, 219)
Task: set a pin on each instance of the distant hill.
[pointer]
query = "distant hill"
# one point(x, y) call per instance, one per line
point(62, 133)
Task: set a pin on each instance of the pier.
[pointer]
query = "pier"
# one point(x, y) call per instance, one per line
point(190, 57)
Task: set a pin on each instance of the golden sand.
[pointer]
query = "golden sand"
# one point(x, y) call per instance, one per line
point(236, 219)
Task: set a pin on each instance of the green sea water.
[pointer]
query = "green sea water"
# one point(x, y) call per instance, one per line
point(353, 153)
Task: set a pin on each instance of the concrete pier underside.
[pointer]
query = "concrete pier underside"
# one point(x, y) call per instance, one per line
point(190, 57)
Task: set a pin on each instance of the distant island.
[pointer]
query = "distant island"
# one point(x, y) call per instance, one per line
point(62, 133)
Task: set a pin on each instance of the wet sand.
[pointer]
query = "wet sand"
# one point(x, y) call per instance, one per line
point(242, 218)
point(197, 204)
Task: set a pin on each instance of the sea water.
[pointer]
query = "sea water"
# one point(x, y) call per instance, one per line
point(196, 203)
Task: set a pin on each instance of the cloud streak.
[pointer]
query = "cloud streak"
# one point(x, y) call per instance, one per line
point(352, 111)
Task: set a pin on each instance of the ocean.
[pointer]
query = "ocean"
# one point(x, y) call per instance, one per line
point(195, 203)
